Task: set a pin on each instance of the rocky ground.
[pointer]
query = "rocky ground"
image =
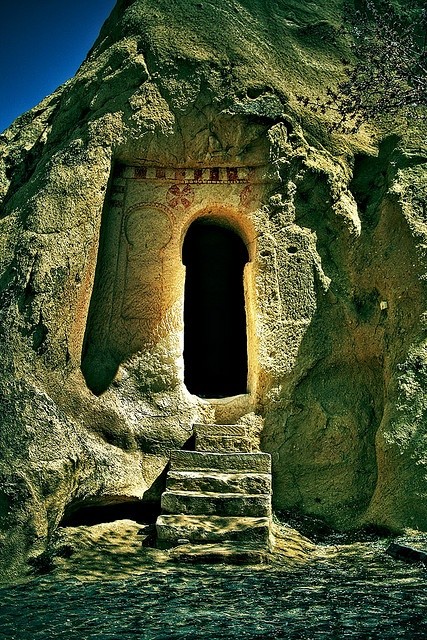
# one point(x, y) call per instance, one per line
point(336, 591)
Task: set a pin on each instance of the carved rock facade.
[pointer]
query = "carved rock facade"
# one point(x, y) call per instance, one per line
point(188, 113)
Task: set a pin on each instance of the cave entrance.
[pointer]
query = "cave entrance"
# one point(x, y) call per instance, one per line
point(215, 342)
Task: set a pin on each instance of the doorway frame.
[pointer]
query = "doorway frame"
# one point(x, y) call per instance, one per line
point(234, 220)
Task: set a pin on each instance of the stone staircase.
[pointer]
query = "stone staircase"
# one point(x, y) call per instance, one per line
point(218, 497)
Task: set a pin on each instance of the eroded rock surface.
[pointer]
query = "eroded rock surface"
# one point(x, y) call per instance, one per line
point(183, 112)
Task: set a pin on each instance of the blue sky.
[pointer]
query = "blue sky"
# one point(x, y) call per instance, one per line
point(42, 44)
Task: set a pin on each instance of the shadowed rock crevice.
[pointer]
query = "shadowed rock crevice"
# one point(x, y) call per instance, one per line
point(93, 514)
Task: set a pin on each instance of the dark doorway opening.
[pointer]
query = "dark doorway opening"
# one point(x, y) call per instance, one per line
point(215, 343)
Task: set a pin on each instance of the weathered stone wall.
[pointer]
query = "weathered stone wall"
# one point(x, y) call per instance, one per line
point(188, 110)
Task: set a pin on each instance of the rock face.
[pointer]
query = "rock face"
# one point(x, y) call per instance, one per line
point(183, 117)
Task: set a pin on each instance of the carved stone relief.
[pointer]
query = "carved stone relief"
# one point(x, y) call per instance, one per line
point(157, 204)
point(139, 292)
point(148, 230)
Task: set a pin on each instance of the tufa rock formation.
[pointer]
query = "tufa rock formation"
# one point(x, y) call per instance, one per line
point(176, 152)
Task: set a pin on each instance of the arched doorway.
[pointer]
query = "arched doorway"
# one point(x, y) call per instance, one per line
point(215, 342)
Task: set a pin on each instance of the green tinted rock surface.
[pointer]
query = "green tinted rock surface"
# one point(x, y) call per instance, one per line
point(340, 272)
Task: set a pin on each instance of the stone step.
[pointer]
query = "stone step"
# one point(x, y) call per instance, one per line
point(218, 504)
point(236, 553)
point(238, 430)
point(223, 444)
point(218, 482)
point(222, 438)
point(227, 462)
point(175, 529)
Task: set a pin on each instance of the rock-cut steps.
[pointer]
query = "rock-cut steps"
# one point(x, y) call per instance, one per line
point(218, 496)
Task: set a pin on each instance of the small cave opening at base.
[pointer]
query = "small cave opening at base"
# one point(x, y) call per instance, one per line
point(215, 342)
point(92, 514)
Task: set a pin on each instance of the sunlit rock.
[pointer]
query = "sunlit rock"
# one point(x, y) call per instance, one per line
point(185, 114)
